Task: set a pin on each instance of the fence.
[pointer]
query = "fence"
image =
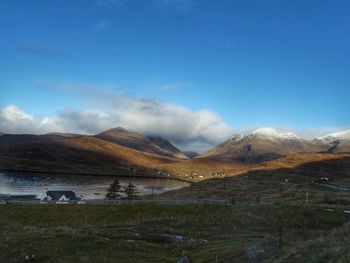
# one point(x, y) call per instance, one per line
point(126, 202)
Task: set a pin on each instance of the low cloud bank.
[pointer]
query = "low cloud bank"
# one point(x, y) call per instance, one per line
point(190, 130)
point(187, 129)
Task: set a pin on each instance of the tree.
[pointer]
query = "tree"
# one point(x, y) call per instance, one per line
point(131, 191)
point(114, 190)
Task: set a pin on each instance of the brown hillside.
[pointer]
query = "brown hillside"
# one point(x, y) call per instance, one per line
point(140, 142)
point(257, 148)
point(311, 164)
point(284, 180)
point(69, 154)
point(203, 168)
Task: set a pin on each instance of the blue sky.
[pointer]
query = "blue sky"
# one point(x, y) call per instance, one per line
point(250, 63)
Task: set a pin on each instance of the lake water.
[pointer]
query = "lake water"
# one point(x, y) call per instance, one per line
point(89, 187)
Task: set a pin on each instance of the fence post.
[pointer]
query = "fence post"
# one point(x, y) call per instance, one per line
point(280, 234)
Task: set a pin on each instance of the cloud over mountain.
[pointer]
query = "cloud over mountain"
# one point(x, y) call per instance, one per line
point(178, 124)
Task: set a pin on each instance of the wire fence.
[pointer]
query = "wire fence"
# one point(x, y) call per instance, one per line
point(124, 202)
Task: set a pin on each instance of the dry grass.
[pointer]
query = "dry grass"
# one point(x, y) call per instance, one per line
point(82, 154)
point(109, 233)
point(299, 159)
point(201, 169)
point(310, 164)
point(332, 247)
point(268, 181)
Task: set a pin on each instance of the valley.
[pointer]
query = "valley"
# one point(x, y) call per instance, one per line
point(239, 169)
point(285, 196)
point(127, 153)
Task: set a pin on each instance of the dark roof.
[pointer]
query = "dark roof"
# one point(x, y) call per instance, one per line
point(56, 195)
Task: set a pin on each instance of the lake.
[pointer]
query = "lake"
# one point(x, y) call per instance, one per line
point(89, 187)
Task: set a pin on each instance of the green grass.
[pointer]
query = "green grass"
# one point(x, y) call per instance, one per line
point(138, 233)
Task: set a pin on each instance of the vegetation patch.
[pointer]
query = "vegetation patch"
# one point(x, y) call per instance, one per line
point(139, 233)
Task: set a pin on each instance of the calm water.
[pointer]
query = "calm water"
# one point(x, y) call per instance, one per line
point(90, 187)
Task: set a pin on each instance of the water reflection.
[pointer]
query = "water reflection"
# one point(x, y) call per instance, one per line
point(90, 187)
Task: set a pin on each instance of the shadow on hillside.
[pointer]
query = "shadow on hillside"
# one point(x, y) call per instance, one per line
point(269, 183)
point(333, 168)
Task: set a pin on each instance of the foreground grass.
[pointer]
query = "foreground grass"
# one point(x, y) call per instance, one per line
point(110, 233)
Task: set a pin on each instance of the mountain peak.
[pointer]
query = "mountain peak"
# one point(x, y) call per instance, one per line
point(236, 137)
point(271, 132)
point(343, 135)
point(117, 129)
point(140, 142)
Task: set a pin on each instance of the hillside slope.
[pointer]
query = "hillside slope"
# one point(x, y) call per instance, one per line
point(338, 142)
point(287, 179)
point(202, 168)
point(84, 154)
point(140, 142)
point(267, 144)
point(259, 146)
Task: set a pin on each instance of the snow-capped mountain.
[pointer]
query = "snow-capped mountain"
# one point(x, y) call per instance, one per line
point(273, 133)
point(265, 144)
point(343, 135)
point(260, 145)
point(338, 142)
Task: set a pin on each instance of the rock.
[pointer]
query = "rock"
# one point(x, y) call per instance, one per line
point(184, 259)
point(253, 251)
point(176, 238)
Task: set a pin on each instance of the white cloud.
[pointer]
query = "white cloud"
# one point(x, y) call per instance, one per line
point(173, 122)
point(13, 120)
point(189, 130)
point(13, 114)
point(108, 107)
point(200, 129)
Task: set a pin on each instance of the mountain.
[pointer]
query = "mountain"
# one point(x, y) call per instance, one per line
point(64, 134)
point(17, 139)
point(261, 145)
point(83, 154)
point(140, 142)
point(114, 151)
point(340, 147)
point(117, 150)
point(167, 146)
point(338, 142)
point(343, 135)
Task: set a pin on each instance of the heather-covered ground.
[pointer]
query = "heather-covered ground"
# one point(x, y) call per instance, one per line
point(154, 233)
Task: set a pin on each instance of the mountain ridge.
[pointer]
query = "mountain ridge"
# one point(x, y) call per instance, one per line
point(138, 141)
point(85, 154)
point(118, 149)
point(266, 144)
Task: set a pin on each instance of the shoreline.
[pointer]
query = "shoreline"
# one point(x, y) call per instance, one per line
point(94, 174)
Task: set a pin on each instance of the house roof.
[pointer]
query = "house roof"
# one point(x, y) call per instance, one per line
point(56, 195)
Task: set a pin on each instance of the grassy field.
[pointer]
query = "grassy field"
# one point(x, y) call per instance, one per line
point(205, 233)
point(286, 180)
point(111, 233)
